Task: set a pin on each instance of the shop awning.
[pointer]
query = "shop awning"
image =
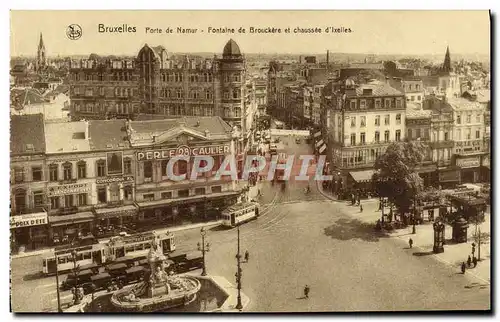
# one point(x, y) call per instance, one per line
point(79, 217)
point(323, 148)
point(317, 134)
point(319, 143)
point(129, 210)
point(427, 169)
point(362, 176)
point(171, 202)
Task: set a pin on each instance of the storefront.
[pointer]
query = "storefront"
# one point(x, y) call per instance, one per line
point(470, 168)
point(360, 183)
point(29, 231)
point(449, 177)
point(427, 173)
point(65, 229)
point(115, 219)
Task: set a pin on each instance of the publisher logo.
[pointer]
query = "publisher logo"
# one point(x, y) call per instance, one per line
point(74, 32)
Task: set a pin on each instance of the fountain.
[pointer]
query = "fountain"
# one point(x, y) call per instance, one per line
point(158, 291)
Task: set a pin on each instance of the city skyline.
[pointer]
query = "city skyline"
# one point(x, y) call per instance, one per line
point(443, 28)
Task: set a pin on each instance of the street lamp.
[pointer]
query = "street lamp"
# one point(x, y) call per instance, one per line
point(204, 248)
point(74, 255)
point(238, 274)
point(59, 309)
point(414, 231)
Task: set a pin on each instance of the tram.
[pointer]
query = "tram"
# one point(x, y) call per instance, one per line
point(240, 213)
point(124, 249)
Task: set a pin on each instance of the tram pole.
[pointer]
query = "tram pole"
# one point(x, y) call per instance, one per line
point(59, 309)
point(204, 248)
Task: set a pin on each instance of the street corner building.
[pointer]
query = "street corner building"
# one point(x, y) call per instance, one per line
point(96, 178)
point(159, 83)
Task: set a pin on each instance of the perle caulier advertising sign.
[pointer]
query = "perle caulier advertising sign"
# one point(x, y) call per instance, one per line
point(183, 151)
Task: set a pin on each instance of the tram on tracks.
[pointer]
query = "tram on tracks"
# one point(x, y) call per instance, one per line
point(119, 249)
point(240, 213)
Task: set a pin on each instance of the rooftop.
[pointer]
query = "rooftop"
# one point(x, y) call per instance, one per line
point(108, 135)
point(378, 89)
point(231, 49)
point(27, 96)
point(214, 124)
point(67, 137)
point(459, 103)
point(414, 111)
point(27, 134)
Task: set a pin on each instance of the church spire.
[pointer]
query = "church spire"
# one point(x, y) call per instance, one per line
point(447, 61)
point(40, 44)
point(41, 61)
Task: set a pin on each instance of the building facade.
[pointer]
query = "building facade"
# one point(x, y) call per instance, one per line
point(157, 83)
point(361, 121)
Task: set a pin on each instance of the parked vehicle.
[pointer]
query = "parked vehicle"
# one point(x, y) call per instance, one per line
point(82, 277)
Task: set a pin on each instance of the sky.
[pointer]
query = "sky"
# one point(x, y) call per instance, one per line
point(373, 32)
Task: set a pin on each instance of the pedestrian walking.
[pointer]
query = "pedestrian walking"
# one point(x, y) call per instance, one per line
point(247, 256)
point(360, 208)
point(410, 242)
point(469, 261)
point(306, 291)
point(463, 267)
point(474, 261)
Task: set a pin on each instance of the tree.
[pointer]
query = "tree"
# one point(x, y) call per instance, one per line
point(390, 68)
point(395, 176)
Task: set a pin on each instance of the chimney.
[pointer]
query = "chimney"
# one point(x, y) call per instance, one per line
point(207, 133)
point(87, 130)
point(327, 57)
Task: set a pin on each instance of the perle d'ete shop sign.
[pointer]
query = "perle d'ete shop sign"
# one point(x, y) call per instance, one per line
point(183, 151)
point(28, 220)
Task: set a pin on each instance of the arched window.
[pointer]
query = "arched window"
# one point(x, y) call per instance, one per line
point(81, 169)
point(67, 171)
point(208, 94)
point(101, 168)
point(236, 93)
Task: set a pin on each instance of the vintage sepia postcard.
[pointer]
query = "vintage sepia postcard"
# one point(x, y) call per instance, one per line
point(250, 161)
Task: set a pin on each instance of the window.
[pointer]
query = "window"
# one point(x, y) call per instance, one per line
point(419, 98)
point(226, 94)
point(468, 134)
point(353, 121)
point(478, 134)
point(377, 120)
point(362, 104)
point(387, 103)
point(236, 78)
point(387, 119)
point(398, 103)
point(236, 93)
point(353, 139)
point(398, 119)
point(18, 175)
point(148, 196)
point(377, 136)
point(362, 138)
point(410, 133)
point(54, 203)
point(183, 193)
point(363, 121)
point(67, 171)
point(101, 195)
point(36, 173)
point(101, 168)
point(386, 136)
point(127, 166)
point(166, 195)
point(417, 87)
point(459, 119)
point(148, 169)
point(199, 191)
point(82, 199)
point(446, 136)
point(412, 98)
point(459, 134)
point(179, 93)
point(208, 94)
point(68, 201)
point(398, 135)
point(418, 133)
point(20, 200)
point(82, 170)
point(38, 198)
point(469, 117)
point(127, 193)
point(182, 167)
point(377, 103)
point(353, 104)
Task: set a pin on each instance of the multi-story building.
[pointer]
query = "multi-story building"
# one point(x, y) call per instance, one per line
point(470, 146)
point(361, 120)
point(28, 208)
point(261, 95)
point(158, 196)
point(158, 83)
point(441, 141)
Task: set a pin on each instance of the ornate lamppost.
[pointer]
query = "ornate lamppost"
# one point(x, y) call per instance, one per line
point(238, 274)
point(438, 226)
point(76, 268)
point(59, 309)
point(204, 248)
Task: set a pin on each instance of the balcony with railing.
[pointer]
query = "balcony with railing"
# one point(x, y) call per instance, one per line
point(441, 144)
point(27, 210)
